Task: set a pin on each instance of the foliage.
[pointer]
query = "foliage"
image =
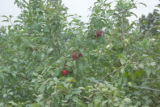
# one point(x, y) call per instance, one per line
point(150, 24)
point(118, 68)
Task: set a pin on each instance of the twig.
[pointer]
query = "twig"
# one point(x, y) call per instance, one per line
point(107, 75)
point(146, 88)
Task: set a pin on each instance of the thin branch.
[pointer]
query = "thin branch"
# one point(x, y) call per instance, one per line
point(146, 88)
point(107, 75)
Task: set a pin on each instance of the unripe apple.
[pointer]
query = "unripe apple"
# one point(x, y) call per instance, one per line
point(98, 33)
point(64, 72)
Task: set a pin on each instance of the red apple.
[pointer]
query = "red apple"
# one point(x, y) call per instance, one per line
point(80, 54)
point(74, 56)
point(64, 72)
point(98, 33)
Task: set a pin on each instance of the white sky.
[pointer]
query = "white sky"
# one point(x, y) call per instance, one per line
point(79, 7)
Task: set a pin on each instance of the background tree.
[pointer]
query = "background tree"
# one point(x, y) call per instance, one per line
point(150, 23)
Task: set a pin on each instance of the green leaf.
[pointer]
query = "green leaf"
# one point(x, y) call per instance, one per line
point(35, 105)
point(97, 101)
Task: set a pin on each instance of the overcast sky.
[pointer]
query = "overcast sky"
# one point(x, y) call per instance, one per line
point(79, 7)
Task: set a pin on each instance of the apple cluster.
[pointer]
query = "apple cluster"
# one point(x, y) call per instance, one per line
point(76, 55)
